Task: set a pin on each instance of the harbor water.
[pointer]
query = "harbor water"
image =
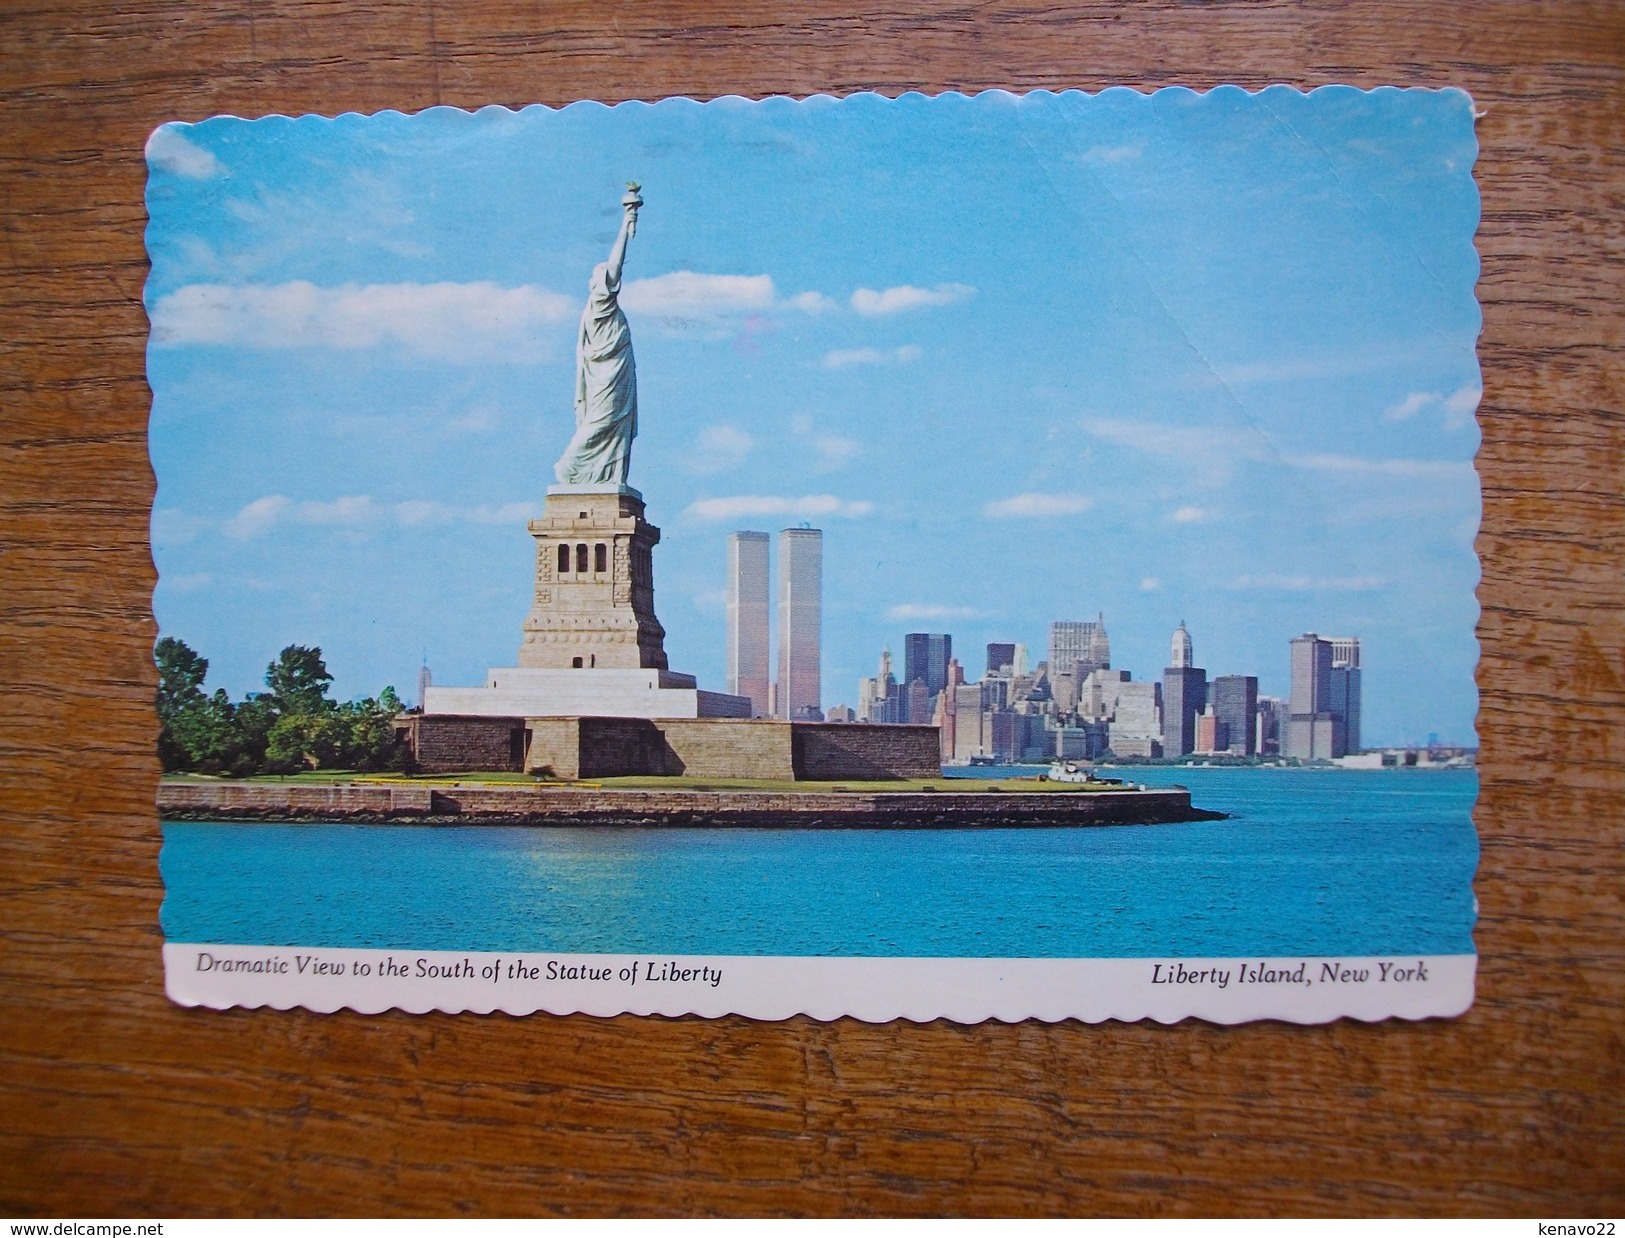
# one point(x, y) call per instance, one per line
point(1310, 862)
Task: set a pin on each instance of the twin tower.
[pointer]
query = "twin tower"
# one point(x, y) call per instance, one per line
point(795, 694)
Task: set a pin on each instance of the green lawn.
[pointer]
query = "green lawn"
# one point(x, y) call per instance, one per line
point(335, 776)
point(951, 785)
point(957, 786)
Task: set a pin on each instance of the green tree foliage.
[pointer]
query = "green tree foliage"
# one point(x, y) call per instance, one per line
point(373, 744)
point(307, 741)
point(298, 680)
point(194, 727)
point(295, 726)
point(180, 676)
point(253, 720)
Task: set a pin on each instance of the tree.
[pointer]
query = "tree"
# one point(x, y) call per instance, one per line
point(204, 732)
point(298, 680)
point(251, 732)
point(307, 741)
point(292, 727)
point(181, 672)
point(374, 744)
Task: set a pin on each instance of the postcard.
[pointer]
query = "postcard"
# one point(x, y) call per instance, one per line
point(991, 557)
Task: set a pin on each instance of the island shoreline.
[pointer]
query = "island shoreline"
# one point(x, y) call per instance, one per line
point(575, 807)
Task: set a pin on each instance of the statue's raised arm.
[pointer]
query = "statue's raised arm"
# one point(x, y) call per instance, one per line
point(630, 202)
point(606, 402)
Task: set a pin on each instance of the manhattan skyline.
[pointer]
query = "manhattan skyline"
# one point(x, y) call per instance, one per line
point(1172, 356)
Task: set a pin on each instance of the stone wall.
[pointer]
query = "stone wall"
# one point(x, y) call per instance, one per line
point(555, 805)
point(555, 747)
point(577, 748)
point(728, 748)
point(448, 743)
point(619, 747)
point(832, 752)
point(279, 801)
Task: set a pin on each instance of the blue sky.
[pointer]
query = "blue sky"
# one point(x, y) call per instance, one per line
point(1170, 356)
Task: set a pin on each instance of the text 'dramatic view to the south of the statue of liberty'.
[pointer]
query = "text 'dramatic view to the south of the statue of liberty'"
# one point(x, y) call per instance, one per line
point(1062, 508)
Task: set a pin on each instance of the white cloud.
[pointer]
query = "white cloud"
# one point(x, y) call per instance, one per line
point(1150, 584)
point(910, 610)
point(258, 516)
point(840, 358)
point(688, 301)
point(1189, 515)
point(347, 509)
point(190, 583)
point(1410, 406)
point(812, 303)
point(1303, 584)
point(717, 449)
point(806, 507)
point(361, 511)
point(168, 151)
point(1458, 407)
point(907, 297)
point(690, 294)
point(1024, 506)
point(478, 321)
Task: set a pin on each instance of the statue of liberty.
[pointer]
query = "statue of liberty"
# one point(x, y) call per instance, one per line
point(606, 378)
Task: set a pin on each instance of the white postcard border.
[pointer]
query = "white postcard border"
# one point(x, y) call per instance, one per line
point(1293, 989)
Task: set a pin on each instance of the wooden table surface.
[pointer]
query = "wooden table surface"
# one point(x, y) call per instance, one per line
point(113, 1101)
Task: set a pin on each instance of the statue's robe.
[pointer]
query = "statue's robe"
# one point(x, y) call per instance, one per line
point(606, 391)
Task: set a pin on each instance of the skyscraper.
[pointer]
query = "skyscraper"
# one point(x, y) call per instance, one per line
point(801, 607)
point(1136, 720)
point(1078, 646)
point(1235, 703)
point(926, 656)
point(970, 723)
point(1345, 686)
point(1344, 702)
point(1311, 674)
point(747, 619)
point(916, 703)
point(1211, 734)
point(879, 699)
point(1184, 695)
point(1315, 730)
point(1274, 719)
point(999, 656)
point(1181, 652)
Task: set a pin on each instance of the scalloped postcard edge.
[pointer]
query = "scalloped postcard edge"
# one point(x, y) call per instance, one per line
point(1166, 989)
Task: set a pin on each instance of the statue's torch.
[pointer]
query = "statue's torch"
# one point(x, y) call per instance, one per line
point(631, 200)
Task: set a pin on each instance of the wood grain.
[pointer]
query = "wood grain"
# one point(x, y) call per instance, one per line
point(112, 1101)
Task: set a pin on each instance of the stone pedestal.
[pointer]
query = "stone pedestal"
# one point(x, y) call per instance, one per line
point(594, 602)
point(592, 647)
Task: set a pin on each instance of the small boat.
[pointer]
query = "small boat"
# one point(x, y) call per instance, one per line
point(1069, 771)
